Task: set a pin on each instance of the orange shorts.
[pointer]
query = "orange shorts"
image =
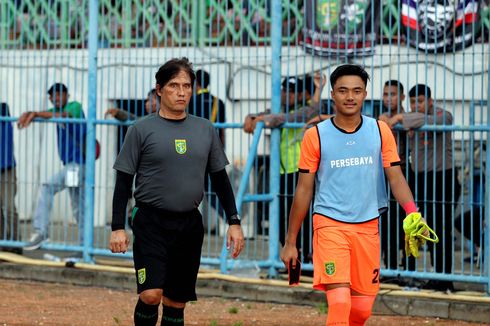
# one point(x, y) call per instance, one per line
point(346, 253)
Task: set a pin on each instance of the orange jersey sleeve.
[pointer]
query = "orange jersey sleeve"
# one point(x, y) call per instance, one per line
point(309, 158)
point(388, 146)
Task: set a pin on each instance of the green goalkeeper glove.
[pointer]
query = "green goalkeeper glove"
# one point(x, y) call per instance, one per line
point(416, 233)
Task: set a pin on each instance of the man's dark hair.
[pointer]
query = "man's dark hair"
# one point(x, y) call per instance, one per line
point(395, 83)
point(153, 91)
point(420, 89)
point(202, 78)
point(171, 68)
point(309, 85)
point(57, 88)
point(348, 70)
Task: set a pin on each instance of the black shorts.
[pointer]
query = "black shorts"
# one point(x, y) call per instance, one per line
point(167, 251)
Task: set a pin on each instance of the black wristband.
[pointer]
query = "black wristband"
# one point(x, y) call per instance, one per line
point(234, 220)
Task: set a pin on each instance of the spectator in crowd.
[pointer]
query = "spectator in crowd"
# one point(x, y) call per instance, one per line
point(392, 242)
point(71, 149)
point(434, 182)
point(205, 105)
point(152, 105)
point(9, 218)
point(169, 153)
point(292, 92)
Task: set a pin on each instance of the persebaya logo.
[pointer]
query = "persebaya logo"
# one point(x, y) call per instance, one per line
point(327, 13)
point(180, 146)
point(330, 268)
point(141, 275)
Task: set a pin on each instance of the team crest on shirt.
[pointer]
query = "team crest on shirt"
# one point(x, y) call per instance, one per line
point(141, 275)
point(330, 268)
point(180, 146)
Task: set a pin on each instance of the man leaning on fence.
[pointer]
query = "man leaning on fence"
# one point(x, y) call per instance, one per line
point(432, 179)
point(9, 218)
point(71, 148)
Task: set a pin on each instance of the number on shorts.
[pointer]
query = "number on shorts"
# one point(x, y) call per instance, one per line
point(376, 276)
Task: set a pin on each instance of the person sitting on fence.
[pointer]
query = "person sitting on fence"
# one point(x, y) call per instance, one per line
point(71, 149)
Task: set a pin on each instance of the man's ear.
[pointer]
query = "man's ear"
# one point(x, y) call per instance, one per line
point(402, 98)
point(158, 89)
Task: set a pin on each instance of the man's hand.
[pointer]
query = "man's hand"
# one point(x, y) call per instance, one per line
point(384, 117)
point(319, 80)
point(289, 253)
point(119, 241)
point(417, 232)
point(25, 119)
point(250, 123)
point(113, 112)
point(235, 235)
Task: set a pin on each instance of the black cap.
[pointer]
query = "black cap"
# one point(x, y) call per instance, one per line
point(57, 87)
point(292, 84)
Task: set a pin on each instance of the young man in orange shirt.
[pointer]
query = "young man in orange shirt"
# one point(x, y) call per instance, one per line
point(346, 159)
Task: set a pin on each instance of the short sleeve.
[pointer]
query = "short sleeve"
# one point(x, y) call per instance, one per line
point(75, 110)
point(388, 146)
point(217, 158)
point(128, 159)
point(309, 159)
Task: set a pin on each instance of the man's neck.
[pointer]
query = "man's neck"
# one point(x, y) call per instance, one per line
point(348, 123)
point(169, 115)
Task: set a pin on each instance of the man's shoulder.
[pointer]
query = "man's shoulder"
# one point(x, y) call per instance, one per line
point(195, 120)
point(144, 121)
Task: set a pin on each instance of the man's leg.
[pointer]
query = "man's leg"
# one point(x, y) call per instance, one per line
point(77, 197)
point(172, 313)
point(361, 307)
point(339, 304)
point(12, 214)
point(45, 202)
point(146, 310)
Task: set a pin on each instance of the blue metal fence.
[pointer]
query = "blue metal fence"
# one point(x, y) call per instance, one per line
point(248, 53)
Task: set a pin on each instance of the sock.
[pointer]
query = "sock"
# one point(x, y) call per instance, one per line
point(172, 316)
point(339, 305)
point(145, 314)
point(361, 306)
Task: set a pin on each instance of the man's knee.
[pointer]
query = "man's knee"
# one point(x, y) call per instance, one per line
point(174, 304)
point(151, 297)
point(361, 307)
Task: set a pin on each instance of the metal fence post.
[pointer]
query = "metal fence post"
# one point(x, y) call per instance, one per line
point(88, 213)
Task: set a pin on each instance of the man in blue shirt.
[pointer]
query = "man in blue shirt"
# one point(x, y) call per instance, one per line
point(9, 218)
point(71, 148)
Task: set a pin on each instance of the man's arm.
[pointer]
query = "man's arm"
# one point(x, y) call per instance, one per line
point(222, 186)
point(26, 118)
point(398, 184)
point(319, 81)
point(299, 210)
point(412, 120)
point(119, 241)
point(119, 114)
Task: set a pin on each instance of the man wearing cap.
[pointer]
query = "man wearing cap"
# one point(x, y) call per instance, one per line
point(292, 95)
point(433, 183)
point(71, 147)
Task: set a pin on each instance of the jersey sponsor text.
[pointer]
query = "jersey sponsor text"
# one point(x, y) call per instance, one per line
point(353, 161)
